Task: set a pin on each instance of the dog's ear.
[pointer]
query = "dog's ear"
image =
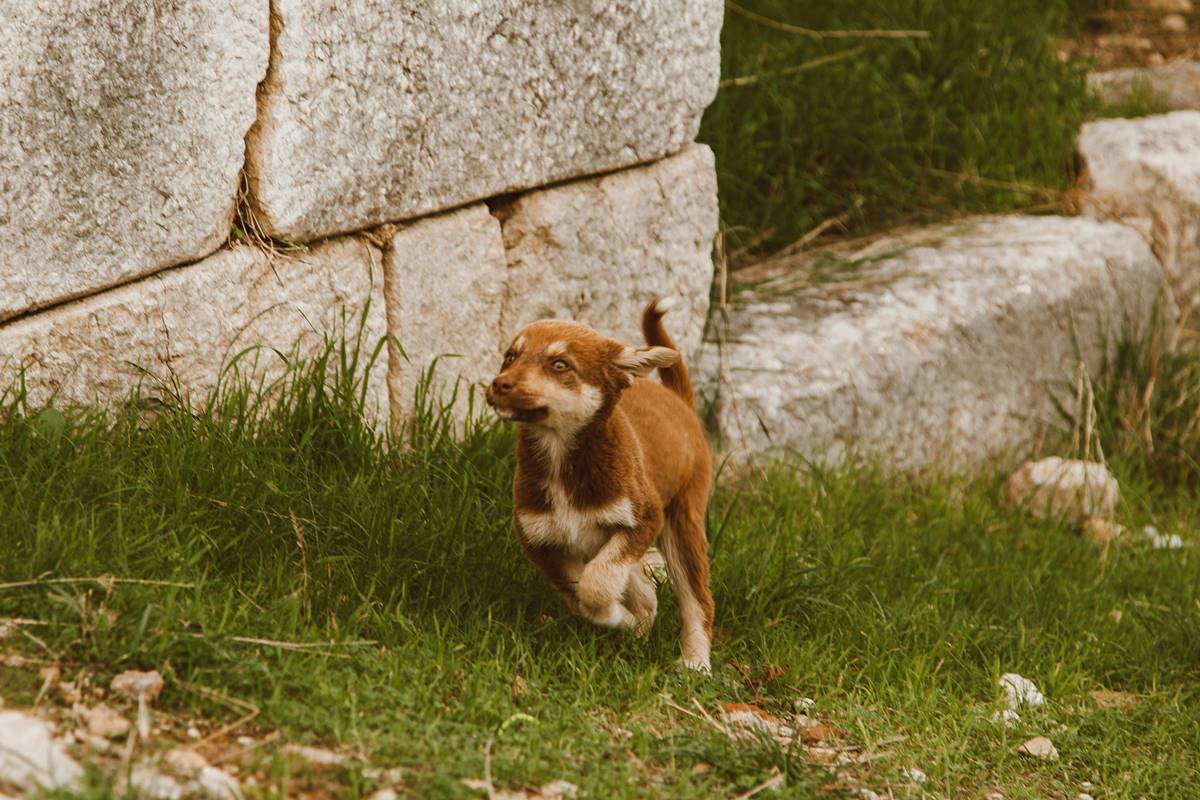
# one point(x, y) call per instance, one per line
point(637, 362)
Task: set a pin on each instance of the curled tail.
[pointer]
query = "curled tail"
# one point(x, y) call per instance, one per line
point(674, 377)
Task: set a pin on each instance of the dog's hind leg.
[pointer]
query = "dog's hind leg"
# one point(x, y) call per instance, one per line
point(685, 548)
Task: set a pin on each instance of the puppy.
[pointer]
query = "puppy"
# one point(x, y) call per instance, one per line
point(608, 463)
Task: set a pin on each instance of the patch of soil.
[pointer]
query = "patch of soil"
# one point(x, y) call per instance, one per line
point(1141, 33)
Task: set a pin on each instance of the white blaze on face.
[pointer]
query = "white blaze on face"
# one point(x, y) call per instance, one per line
point(570, 409)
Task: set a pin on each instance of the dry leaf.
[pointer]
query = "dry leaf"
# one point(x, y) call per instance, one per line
point(817, 733)
point(1122, 701)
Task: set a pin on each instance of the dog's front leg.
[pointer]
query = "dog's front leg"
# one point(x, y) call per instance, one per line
point(605, 578)
point(562, 568)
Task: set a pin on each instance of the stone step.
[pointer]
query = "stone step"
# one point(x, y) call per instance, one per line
point(940, 347)
point(1177, 83)
point(1146, 172)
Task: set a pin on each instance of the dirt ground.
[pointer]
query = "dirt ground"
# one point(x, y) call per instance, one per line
point(1142, 33)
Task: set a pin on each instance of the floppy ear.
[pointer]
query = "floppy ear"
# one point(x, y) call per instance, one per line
point(638, 362)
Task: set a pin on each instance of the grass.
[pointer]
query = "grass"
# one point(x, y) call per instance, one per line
point(897, 130)
point(859, 134)
point(894, 603)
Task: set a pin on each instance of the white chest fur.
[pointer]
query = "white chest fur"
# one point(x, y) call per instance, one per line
point(582, 531)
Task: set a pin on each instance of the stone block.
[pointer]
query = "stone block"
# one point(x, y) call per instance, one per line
point(940, 348)
point(122, 133)
point(597, 250)
point(173, 332)
point(375, 112)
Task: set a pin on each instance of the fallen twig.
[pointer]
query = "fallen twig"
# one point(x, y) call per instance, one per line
point(815, 34)
point(250, 709)
point(769, 783)
point(105, 581)
point(749, 80)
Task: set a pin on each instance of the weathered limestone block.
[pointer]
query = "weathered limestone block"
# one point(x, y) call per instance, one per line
point(1176, 82)
point(942, 347)
point(122, 128)
point(378, 111)
point(445, 284)
point(1150, 168)
point(598, 250)
point(178, 328)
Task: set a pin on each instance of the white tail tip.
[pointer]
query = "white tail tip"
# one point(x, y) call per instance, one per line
point(665, 304)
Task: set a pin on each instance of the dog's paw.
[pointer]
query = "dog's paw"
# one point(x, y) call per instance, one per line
point(696, 663)
point(614, 616)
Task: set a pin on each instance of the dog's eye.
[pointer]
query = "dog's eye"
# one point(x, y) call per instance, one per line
point(560, 365)
point(509, 357)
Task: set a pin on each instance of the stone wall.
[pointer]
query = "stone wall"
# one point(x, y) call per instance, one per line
point(479, 164)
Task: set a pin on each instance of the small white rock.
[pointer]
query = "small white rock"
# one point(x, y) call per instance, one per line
point(315, 756)
point(1175, 23)
point(805, 704)
point(1063, 488)
point(30, 758)
point(915, 774)
point(193, 732)
point(1039, 747)
point(106, 723)
point(1084, 796)
point(558, 789)
point(383, 794)
point(1160, 541)
point(1020, 691)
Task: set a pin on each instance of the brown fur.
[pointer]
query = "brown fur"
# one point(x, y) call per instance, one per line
point(606, 462)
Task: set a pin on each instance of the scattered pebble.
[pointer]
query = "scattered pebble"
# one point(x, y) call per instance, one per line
point(805, 704)
point(1063, 488)
point(245, 741)
point(384, 794)
point(558, 789)
point(30, 759)
point(106, 723)
point(193, 732)
point(1020, 691)
point(389, 777)
point(915, 774)
point(1175, 23)
point(1039, 747)
point(315, 756)
point(1159, 541)
point(1084, 796)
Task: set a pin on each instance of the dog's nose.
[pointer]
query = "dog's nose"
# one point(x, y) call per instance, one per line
point(502, 385)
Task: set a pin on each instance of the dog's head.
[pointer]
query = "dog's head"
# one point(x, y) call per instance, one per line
point(561, 375)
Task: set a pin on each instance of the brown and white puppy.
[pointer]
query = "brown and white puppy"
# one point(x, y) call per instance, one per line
point(606, 462)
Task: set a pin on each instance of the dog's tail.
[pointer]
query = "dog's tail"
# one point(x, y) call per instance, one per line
point(674, 377)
